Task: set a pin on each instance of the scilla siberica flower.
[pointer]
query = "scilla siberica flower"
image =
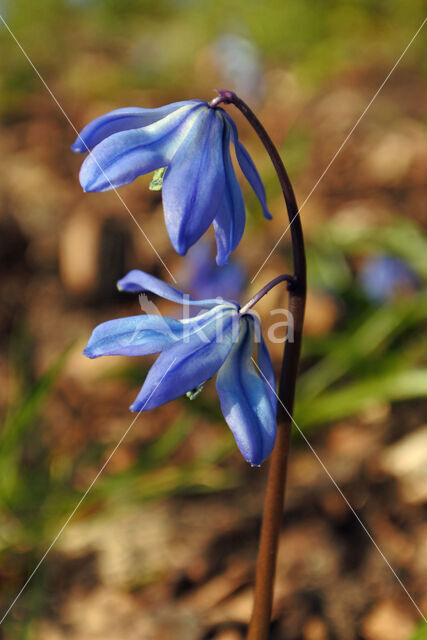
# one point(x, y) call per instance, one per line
point(204, 279)
point(219, 340)
point(191, 142)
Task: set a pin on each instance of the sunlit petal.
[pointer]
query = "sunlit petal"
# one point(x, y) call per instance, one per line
point(245, 401)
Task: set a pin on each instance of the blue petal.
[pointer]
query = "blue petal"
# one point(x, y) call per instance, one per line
point(247, 166)
point(244, 399)
point(265, 364)
point(229, 222)
point(124, 156)
point(193, 185)
point(190, 362)
point(206, 279)
point(136, 281)
point(122, 120)
point(134, 336)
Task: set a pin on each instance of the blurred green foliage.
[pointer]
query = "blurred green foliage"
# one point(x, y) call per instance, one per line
point(104, 47)
point(377, 354)
point(421, 632)
point(38, 491)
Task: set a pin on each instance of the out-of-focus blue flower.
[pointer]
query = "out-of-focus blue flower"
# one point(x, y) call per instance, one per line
point(238, 60)
point(204, 279)
point(192, 141)
point(220, 340)
point(383, 278)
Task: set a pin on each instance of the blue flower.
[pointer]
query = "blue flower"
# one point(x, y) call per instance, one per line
point(192, 141)
point(384, 278)
point(219, 340)
point(204, 279)
point(238, 61)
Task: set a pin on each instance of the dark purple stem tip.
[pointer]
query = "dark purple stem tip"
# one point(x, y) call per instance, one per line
point(224, 95)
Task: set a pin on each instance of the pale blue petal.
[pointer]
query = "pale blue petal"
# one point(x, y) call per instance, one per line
point(122, 157)
point(247, 166)
point(229, 222)
point(193, 185)
point(122, 120)
point(188, 363)
point(134, 336)
point(265, 364)
point(244, 400)
point(137, 281)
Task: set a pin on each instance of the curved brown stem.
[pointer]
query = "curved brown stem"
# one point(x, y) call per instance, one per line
point(274, 500)
point(290, 280)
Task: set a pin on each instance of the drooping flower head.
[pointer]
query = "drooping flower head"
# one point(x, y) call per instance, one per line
point(191, 141)
point(219, 340)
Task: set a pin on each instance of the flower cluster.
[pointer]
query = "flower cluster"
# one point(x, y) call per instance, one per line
point(188, 145)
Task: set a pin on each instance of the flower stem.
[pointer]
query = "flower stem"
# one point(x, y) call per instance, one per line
point(262, 292)
point(273, 507)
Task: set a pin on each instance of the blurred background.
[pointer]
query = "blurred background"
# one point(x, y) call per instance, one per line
point(163, 547)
